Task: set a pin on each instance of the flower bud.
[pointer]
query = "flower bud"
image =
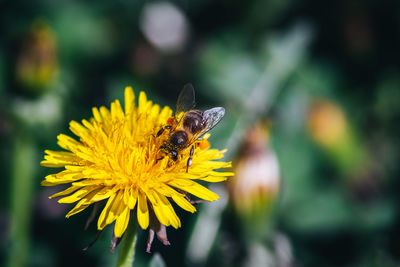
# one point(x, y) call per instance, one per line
point(37, 66)
point(254, 187)
point(327, 124)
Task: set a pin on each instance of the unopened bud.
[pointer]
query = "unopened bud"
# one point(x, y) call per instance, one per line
point(327, 124)
point(37, 65)
point(254, 187)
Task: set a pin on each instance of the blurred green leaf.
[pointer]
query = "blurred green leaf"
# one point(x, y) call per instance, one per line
point(157, 261)
point(24, 167)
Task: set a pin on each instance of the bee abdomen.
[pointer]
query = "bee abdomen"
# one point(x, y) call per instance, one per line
point(193, 121)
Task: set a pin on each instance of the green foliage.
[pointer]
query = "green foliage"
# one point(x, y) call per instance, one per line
point(262, 60)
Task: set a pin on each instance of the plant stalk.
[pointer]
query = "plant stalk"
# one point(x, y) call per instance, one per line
point(127, 252)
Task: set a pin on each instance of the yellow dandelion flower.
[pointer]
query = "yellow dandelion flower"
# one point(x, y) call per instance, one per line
point(115, 160)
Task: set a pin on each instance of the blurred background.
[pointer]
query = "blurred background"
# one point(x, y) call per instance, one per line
point(312, 95)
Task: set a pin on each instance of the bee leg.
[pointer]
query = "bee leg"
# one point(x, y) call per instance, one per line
point(160, 132)
point(159, 159)
point(189, 161)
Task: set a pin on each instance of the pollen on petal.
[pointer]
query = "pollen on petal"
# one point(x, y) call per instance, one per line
point(204, 144)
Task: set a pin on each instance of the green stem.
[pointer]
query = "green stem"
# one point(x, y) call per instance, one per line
point(127, 252)
point(23, 174)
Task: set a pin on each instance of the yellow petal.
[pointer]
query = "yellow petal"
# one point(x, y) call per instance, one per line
point(166, 112)
point(158, 208)
point(116, 208)
point(166, 190)
point(61, 154)
point(142, 102)
point(122, 222)
point(87, 182)
point(132, 198)
point(101, 223)
point(49, 164)
point(96, 115)
point(105, 113)
point(142, 211)
point(116, 111)
point(88, 125)
point(214, 173)
point(168, 212)
point(129, 100)
point(67, 142)
point(59, 159)
point(83, 204)
point(46, 183)
point(59, 178)
point(78, 208)
point(183, 203)
point(214, 179)
point(194, 189)
point(78, 194)
point(175, 222)
point(77, 128)
point(104, 193)
point(67, 191)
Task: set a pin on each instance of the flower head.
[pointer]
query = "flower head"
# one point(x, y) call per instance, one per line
point(116, 160)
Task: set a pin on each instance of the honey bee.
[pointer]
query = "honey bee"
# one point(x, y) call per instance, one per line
point(188, 125)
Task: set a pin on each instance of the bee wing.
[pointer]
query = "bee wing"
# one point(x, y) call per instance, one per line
point(186, 100)
point(211, 118)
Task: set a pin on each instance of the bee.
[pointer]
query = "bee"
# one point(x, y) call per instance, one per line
point(188, 125)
